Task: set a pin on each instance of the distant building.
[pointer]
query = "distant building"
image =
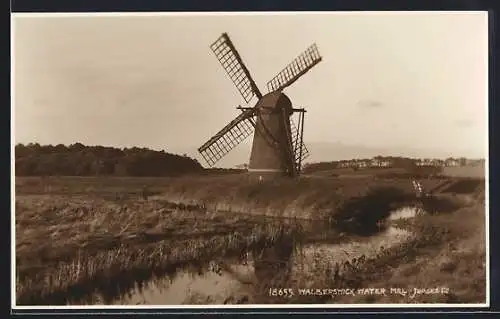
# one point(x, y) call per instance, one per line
point(386, 163)
point(473, 162)
point(422, 162)
point(375, 162)
point(362, 164)
point(344, 164)
point(450, 162)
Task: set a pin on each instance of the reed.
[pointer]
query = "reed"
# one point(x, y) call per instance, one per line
point(119, 266)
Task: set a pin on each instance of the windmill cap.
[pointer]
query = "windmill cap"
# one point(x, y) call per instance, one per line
point(274, 100)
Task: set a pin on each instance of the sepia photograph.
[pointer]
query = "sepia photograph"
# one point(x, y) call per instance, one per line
point(250, 159)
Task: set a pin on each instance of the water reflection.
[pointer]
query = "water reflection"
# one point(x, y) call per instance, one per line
point(317, 257)
point(236, 280)
point(207, 288)
point(405, 212)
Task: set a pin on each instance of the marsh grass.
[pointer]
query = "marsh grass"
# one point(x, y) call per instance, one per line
point(140, 242)
point(311, 198)
point(111, 273)
point(80, 244)
point(72, 251)
point(465, 186)
point(444, 250)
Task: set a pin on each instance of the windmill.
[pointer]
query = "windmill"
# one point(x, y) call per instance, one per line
point(278, 146)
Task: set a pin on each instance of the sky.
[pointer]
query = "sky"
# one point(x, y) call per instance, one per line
point(387, 80)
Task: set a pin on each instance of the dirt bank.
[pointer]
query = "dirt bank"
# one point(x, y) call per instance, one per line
point(443, 262)
point(308, 198)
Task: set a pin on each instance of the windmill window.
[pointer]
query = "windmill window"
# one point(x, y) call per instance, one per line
point(230, 57)
point(227, 140)
point(303, 60)
point(231, 133)
point(241, 85)
point(242, 128)
point(234, 64)
point(295, 69)
point(209, 150)
point(212, 158)
point(225, 51)
point(218, 50)
point(237, 127)
point(222, 145)
point(230, 67)
point(224, 60)
point(240, 78)
point(217, 148)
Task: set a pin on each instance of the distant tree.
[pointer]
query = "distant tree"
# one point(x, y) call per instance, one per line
point(78, 159)
point(462, 161)
point(121, 169)
point(76, 147)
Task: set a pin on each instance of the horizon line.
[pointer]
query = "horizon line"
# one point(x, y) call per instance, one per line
point(186, 154)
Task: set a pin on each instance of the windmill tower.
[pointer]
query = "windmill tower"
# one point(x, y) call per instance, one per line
point(278, 147)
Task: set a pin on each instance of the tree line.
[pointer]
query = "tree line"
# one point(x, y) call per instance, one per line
point(77, 159)
point(406, 163)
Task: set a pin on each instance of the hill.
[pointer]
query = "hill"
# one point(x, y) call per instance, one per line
point(80, 160)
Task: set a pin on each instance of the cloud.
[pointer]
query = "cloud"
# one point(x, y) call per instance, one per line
point(370, 104)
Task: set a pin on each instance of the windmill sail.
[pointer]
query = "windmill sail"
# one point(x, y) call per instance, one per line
point(233, 64)
point(228, 138)
point(293, 71)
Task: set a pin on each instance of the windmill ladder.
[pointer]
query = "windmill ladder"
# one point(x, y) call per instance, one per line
point(288, 150)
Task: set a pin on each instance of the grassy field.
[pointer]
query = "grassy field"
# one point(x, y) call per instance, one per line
point(466, 171)
point(78, 238)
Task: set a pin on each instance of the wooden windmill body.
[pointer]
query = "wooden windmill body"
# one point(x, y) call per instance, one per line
point(278, 148)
